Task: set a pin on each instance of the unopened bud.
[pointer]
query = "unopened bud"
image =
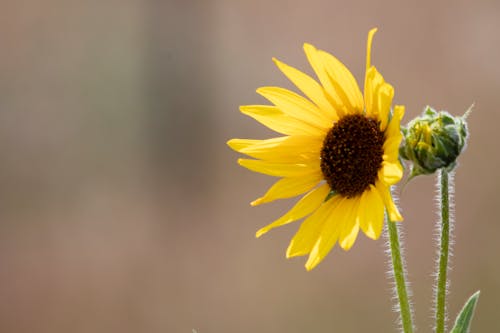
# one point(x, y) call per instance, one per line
point(433, 141)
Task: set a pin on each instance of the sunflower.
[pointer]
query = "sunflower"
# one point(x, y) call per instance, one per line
point(339, 151)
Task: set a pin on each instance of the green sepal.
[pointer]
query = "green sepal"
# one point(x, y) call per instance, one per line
point(330, 195)
point(464, 318)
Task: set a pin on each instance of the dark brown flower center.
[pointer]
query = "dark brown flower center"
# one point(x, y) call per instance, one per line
point(352, 155)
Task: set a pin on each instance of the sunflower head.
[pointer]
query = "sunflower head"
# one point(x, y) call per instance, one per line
point(338, 151)
point(433, 141)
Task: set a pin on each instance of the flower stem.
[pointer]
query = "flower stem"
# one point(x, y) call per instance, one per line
point(399, 277)
point(443, 252)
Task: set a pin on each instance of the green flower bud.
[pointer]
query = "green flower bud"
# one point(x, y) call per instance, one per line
point(433, 141)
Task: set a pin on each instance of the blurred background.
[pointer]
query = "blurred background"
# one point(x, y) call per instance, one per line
point(123, 210)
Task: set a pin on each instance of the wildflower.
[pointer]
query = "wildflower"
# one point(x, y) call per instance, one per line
point(339, 150)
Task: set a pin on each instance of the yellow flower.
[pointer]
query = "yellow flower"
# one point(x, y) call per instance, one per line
point(339, 150)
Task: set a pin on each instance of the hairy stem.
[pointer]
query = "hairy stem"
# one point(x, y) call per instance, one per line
point(444, 245)
point(399, 277)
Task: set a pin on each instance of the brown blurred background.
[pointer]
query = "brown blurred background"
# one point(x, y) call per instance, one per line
point(122, 209)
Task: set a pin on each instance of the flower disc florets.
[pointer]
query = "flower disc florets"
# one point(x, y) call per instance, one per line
point(433, 141)
point(352, 155)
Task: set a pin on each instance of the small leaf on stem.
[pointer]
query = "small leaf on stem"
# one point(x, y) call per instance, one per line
point(464, 318)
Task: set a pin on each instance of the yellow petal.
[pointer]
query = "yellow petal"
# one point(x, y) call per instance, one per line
point(391, 149)
point(385, 95)
point(277, 120)
point(393, 130)
point(390, 172)
point(350, 228)
point(371, 33)
point(251, 145)
point(370, 76)
point(397, 116)
point(371, 213)
point(347, 239)
point(296, 106)
point(287, 149)
point(305, 206)
point(312, 89)
point(309, 231)
point(393, 135)
point(392, 209)
point(341, 213)
point(290, 187)
point(279, 169)
point(344, 82)
point(378, 97)
point(317, 63)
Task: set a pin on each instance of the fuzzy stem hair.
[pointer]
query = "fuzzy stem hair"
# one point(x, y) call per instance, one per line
point(444, 230)
point(397, 271)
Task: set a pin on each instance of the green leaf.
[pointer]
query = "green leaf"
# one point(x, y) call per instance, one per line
point(462, 323)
